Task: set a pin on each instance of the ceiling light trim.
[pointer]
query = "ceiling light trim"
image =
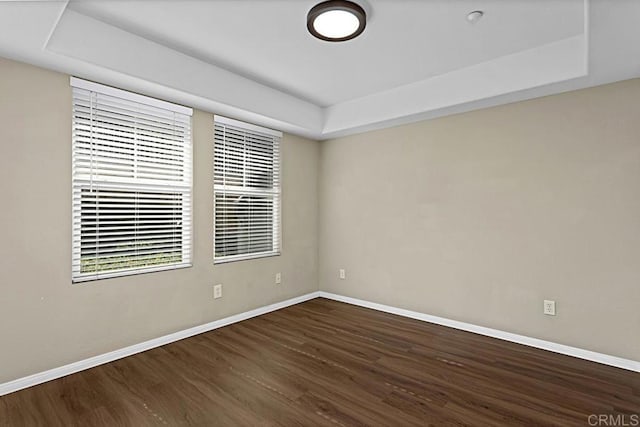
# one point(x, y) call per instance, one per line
point(336, 6)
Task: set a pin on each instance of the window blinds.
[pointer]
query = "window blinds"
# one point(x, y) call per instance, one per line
point(246, 191)
point(131, 183)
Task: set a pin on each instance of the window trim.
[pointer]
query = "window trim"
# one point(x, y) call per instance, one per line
point(276, 192)
point(141, 184)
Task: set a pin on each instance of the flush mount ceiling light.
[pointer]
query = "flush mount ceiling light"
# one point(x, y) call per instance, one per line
point(336, 20)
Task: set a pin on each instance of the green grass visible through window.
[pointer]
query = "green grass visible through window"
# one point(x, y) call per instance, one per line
point(90, 263)
point(93, 265)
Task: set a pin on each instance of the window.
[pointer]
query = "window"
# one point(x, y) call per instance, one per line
point(131, 183)
point(246, 191)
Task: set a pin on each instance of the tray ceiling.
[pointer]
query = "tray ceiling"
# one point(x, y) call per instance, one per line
point(254, 60)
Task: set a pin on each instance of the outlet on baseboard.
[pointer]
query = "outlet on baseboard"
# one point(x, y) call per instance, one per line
point(549, 307)
point(342, 274)
point(278, 278)
point(217, 291)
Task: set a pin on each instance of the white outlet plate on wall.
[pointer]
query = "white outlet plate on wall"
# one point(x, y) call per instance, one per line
point(342, 274)
point(278, 278)
point(217, 291)
point(549, 307)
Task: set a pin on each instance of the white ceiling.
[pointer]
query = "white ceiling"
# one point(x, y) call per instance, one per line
point(254, 60)
point(406, 41)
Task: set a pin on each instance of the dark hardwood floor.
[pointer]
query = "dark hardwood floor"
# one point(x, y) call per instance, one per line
point(331, 364)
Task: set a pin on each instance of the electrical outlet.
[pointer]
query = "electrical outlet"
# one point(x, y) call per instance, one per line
point(342, 273)
point(278, 278)
point(549, 307)
point(217, 291)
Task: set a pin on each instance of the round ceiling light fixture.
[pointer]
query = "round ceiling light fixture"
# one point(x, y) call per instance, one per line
point(336, 20)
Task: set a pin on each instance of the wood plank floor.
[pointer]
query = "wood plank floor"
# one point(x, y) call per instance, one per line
point(327, 363)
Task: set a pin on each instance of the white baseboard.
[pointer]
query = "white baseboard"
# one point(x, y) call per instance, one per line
point(605, 359)
point(52, 374)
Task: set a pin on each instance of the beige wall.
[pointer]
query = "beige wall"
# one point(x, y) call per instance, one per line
point(45, 321)
point(478, 217)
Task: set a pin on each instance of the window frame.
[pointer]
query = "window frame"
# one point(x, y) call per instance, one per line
point(135, 188)
point(275, 191)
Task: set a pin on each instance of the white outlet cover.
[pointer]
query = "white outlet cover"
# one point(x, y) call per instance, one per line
point(217, 291)
point(342, 273)
point(278, 278)
point(549, 307)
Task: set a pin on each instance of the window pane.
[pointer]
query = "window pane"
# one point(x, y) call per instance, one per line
point(129, 229)
point(246, 190)
point(244, 224)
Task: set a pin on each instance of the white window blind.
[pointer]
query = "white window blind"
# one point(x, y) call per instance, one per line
point(131, 183)
point(246, 191)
